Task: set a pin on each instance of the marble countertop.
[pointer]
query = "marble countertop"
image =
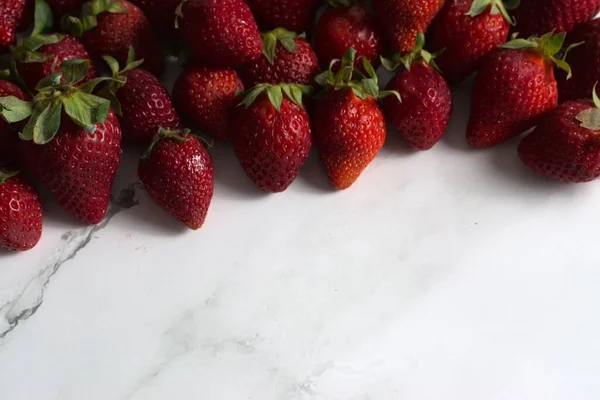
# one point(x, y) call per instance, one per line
point(448, 274)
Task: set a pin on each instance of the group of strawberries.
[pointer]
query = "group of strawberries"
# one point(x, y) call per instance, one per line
point(63, 122)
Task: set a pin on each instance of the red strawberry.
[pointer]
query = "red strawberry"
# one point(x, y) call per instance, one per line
point(11, 14)
point(140, 100)
point(220, 32)
point(349, 128)
point(341, 28)
point(287, 58)
point(422, 115)
point(271, 135)
point(177, 172)
point(205, 95)
point(536, 17)
point(293, 15)
point(8, 137)
point(401, 20)
point(467, 31)
point(566, 144)
point(72, 141)
point(513, 88)
point(160, 12)
point(20, 213)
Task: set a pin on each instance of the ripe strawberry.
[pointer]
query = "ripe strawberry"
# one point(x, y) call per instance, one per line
point(206, 95)
point(536, 17)
point(177, 172)
point(293, 15)
point(11, 14)
point(566, 144)
point(401, 20)
point(467, 31)
point(271, 135)
point(287, 58)
point(513, 88)
point(220, 32)
point(349, 128)
point(344, 27)
point(160, 13)
point(141, 102)
point(422, 115)
point(20, 213)
point(71, 142)
point(8, 137)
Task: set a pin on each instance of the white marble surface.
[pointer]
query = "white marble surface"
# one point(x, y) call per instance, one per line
point(448, 274)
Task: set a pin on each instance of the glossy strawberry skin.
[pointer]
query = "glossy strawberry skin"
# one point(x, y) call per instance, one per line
point(11, 15)
point(9, 138)
point(68, 48)
point(179, 177)
point(20, 215)
point(271, 146)
point(537, 17)
point(465, 40)
point(78, 167)
point(206, 95)
point(221, 32)
point(146, 107)
point(422, 116)
point(117, 32)
point(161, 13)
point(560, 148)
point(401, 20)
point(341, 28)
point(300, 67)
point(293, 15)
point(512, 90)
point(348, 132)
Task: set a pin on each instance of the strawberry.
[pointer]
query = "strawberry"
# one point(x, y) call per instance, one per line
point(111, 27)
point(467, 31)
point(8, 137)
point(566, 144)
point(71, 142)
point(287, 58)
point(220, 32)
point(161, 13)
point(536, 17)
point(206, 95)
point(140, 100)
point(422, 115)
point(513, 88)
point(271, 135)
point(20, 213)
point(11, 14)
point(293, 15)
point(344, 27)
point(401, 20)
point(349, 127)
point(177, 172)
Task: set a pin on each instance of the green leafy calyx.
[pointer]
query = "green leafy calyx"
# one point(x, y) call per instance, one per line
point(478, 7)
point(590, 118)
point(119, 78)
point(418, 53)
point(88, 19)
point(179, 135)
point(6, 175)
point(275, 94)
point(286, 38)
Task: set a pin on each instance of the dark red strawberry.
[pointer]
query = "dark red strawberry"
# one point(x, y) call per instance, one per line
point(8, 136)
point(71, 142)
point(161, 13)
point(513, 88)
point(422, 115)
point(20, 213)
point(177, 172)
point(11, 15)
point(465, 31)
point(206, 95)
point(401, 20)
point(287, 58)
point(536, 17)
point(341, 28)
point(271, 136)
point(220, 32)
point(293, 15)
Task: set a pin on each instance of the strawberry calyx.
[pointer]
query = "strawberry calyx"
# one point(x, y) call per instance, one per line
point(6, 175)
point(179, 135)
point(275, 94)
point(497, 7)
point(89, 16)
point(119, 78)
point(417, 54)
point(283, 36)
point(590, 118)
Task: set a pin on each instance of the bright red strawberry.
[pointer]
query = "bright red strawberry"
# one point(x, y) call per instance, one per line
point(293, 15)
point(220, 32)
point(341, 28)
point(465, 31)
point(536, 17)
point(287, 58)
point(161, 13)
point(401, 20)
point(271, 136)
point(9, 137)
point(206, 96)
point(20, 213)
point(71, 142)
point(566, 144)
point(513, 88)
point(422, 115)
point(11, 14)
point(177, 172)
